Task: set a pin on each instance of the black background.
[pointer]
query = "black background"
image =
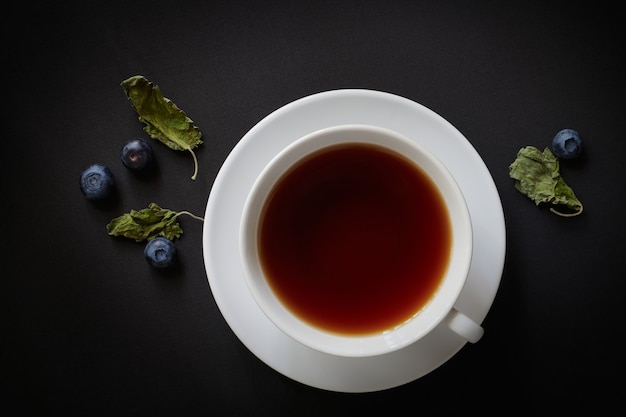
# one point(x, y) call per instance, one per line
point(89, 329)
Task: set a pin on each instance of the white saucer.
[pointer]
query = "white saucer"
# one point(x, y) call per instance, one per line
point(224, 210)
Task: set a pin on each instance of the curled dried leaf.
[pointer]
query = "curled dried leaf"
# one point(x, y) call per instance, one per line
point(148, 223)
point(537, 176)
point(163, 120)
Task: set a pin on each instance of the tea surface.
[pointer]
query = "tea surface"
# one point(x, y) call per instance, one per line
point(355, 239)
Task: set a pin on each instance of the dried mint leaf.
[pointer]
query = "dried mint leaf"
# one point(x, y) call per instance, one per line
point(163, 120)
point(148, 223)
point(537, 176)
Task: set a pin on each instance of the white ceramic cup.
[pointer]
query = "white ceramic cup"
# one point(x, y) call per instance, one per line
point(439, 310)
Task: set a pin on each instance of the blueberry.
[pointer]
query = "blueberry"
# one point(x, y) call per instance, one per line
point(137, 154)
point(97, 182)
point(160, 252)
point(567, 144)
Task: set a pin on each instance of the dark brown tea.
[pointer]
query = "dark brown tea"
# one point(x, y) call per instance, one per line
point(355, 239)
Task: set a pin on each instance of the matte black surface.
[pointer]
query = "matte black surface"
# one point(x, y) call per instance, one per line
point(89, 329)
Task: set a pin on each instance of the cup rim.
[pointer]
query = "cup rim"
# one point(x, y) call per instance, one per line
point(423, 321)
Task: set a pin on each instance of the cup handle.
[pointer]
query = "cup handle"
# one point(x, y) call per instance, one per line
point(465, 327)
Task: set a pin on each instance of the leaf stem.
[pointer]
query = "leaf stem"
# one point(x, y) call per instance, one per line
point(189, 214)
point(195, 162)
point(558, 213)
